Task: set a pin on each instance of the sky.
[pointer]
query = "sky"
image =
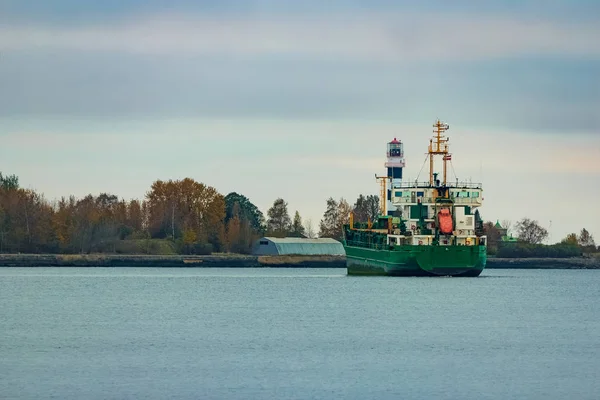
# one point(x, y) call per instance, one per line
point(298, 99)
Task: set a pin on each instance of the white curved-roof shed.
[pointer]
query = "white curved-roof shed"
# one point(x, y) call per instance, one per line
point(297, 246)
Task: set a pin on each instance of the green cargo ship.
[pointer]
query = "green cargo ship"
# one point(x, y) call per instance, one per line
point(430, 228)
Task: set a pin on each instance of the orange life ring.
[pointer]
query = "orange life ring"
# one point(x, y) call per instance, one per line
point(420, 242)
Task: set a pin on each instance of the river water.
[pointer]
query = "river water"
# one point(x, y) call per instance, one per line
point(117, 333)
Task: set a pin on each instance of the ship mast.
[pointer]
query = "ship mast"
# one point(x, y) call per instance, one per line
point(383, 181)
point(438, 145)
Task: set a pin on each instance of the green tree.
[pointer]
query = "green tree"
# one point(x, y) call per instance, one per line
point(278, 223)
point(9, 182)
point(247, 211)
point(297, 226)
point(328, 224)
point(479, 226)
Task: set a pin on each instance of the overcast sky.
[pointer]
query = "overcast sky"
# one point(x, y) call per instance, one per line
point(298, 99)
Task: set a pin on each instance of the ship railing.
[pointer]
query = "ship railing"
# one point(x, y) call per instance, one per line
point(428, 200)
point(466, 200)
point(374, 246)
point(416, 184)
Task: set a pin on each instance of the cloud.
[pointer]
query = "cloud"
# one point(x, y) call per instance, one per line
point(517, 72)
point(555, 96)
point(397, 37)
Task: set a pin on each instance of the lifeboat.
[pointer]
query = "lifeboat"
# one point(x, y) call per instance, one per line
point(445, 221)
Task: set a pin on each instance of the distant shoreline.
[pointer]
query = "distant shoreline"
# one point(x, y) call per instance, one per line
point(543, 263)
point(170, 261)
point(249, 261)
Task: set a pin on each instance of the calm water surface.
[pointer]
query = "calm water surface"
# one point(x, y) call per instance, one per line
point(107, 333)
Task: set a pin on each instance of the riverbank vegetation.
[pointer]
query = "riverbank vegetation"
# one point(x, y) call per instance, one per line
point(528, 242)
point(175, 217)
point(189, 217)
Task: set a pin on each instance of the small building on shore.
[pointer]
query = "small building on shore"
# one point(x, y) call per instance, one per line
point(273, 246)
point(504, 237)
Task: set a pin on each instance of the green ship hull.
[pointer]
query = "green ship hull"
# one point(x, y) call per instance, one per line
point(409, 260)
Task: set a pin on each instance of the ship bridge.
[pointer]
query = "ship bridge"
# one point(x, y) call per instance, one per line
point(461, 194)
point(424, 192)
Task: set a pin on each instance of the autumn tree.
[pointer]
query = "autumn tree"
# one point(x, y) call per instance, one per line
point(175, 207)
point(493, 236)
point(161, 209)
point(336, 215)
point(25, 219)
point(366, 207)
point(309, 230)
point(63, 224)
point(9, 209)
point(135, 215)
point(85, 216)
point(188, 211)
point(233, 230)
point(279, 223)
point(343, 214)
point(297, 227)
point(585, 239)
point(240, 234)
point(212, 219)
point(570, 239)
point(38, 222)
point(530, 231)
point(244, 222)
point(111, 216)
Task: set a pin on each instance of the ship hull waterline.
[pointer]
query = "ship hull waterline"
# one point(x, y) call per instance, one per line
point(460, 261)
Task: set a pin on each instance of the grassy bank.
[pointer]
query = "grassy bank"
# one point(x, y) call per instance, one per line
point(248, 261)
point(544, 263)
point(169, 261)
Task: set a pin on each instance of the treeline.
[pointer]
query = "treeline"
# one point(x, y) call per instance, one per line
point(528, 250)
point(195, 217)
point(337, 214)
point(176, 216)
point(529, 235)
point(189, 217)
